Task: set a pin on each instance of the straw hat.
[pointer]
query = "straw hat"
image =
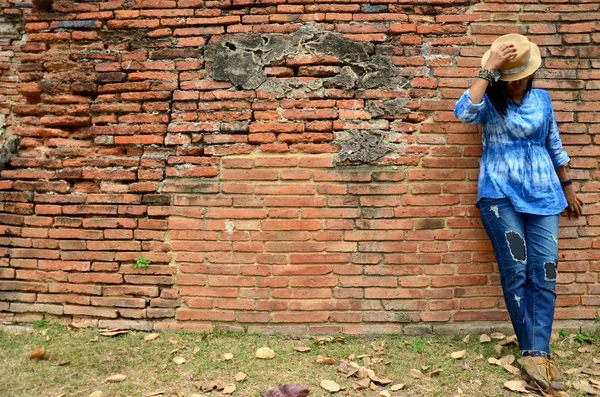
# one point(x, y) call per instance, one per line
point(527, 61)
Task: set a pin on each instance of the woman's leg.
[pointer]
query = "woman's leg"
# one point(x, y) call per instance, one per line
point(506, 230)
point(542, 263)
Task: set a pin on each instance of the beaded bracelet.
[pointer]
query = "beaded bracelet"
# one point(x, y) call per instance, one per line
point(487, 74)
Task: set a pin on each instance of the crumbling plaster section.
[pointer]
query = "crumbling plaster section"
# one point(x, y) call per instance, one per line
point(12, 34)
point(362, 66)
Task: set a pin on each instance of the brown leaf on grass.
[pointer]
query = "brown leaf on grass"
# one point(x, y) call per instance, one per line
point(465, 365)
point(196, 350)
point(212, 385)
point(265, 353)
point(572, 371)
point(113, 332)
point(229, 389)
point(508, 359)
point(154, 394)
point(594, 382)
point(329, 339)
point(435, 372)
point(116, 378)
point(508, 340)
point(458, 354)
point(38, 353)
point(397, 386)
point(151, 337)
point(227, 356)
point(384, 393)
point(326, 359)
point(302, 349)
point(343, 367)
point(563, 354)
point(330, 386)
point(494, 361)
point(593, 372)
point(361, 384)
point(516, 385)
point(497, 335)
point(585, 349)
point(584, 387)
point(484, 338)
point(596, 360)
point(80, 324)
point(287, 391)
point(415, 373)
point(97, 393)
point(240, 377)
point(361, 373)
point(498, 349)
point(512, 369)
point(178, 360)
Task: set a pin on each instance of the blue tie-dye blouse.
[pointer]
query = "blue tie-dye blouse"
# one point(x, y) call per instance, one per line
point(520, 152)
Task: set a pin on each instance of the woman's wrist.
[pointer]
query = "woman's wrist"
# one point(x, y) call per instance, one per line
point(566, 183)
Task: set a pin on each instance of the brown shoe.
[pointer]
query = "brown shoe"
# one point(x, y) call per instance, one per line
point(537, 369)
point(557, 381)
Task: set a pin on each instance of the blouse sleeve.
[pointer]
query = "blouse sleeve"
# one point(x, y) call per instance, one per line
point(553, 143)
point(469, 112)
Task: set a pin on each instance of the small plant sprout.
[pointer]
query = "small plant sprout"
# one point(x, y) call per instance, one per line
point(141, 262)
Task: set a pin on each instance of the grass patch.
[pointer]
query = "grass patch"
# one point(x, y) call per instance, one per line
point(80, 360)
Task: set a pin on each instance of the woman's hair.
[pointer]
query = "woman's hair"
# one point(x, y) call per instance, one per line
point(497, 94)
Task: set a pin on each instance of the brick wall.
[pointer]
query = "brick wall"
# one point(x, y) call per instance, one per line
point(287, 166)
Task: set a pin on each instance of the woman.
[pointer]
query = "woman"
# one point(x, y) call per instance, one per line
point(523, 187)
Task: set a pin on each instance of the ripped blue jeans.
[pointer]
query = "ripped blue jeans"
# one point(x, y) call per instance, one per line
point(526, 248)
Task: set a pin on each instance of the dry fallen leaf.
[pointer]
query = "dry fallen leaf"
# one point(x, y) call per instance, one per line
point(154, 393)
point(240, 377)
point(484, 338)
point(326, 359)
point(498, 349)
point(97, 393)
point(397, 386)
point(384, 393)
point(38, 353)
point(467, 338)
point(583, 386)
point(497, 335)
point(516, 385)
point(287, 391)
point(465, 365)
point(227, 356)
point(116, 378)
point(151, 337)
point(361, 384)
point(586, 349)
point(212, 385)
point(512, 369)
point(265, 353)
point(330, 386)
point(435, 372)
point(494, 361)
point(113, 332)
point(302, 349)
point(178, 360)
point(196, 350)
point(593, 372)
point(415, 373)
point(563, 354)
point(458, 354)
point(596, 360)
point(508, 359)
point(229, 389)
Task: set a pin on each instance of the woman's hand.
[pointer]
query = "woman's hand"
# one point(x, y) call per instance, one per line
point(575, 203)
point(501, 54)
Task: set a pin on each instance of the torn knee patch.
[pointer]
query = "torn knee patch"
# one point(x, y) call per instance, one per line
point(516, 244)
point(550, 270)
